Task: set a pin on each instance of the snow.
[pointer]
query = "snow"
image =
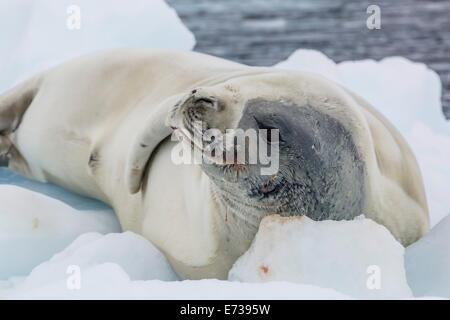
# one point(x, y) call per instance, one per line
point(109, 281)
point(128, 252)
point(33, 227)
point(35, 34)
point(343, 255)
point(46, 232)
point(428, 262)
point(124, 266)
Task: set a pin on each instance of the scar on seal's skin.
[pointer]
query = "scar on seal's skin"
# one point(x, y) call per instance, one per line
point(234, 91)
point(93, 160)
point(230, 88)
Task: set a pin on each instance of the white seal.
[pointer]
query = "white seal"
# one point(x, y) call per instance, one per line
point(100, 125)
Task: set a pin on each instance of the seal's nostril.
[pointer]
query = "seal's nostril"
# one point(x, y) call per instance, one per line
point(194, 91)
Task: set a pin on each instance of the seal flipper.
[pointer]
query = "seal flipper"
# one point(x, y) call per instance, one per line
point(13, 105)
point(145, 142)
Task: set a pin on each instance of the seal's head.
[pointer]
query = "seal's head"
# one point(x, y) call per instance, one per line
point(306, 160)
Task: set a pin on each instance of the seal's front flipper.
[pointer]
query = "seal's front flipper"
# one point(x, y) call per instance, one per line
point(13, 105)
point(5, 148)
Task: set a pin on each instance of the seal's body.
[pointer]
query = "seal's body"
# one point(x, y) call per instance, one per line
point(99, 125)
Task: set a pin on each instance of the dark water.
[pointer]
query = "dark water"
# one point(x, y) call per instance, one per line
point(263, 32)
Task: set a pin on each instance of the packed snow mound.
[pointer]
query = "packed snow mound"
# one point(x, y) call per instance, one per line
point(408, 94)
point(33, 227)
point(128, 252)
point(359, 258)
point(428, 262)
point(110, 281)
point(39, 34)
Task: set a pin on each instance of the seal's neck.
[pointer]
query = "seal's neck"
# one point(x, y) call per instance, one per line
point(239, 218)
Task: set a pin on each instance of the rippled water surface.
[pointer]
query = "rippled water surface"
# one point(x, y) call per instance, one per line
point(263, 32)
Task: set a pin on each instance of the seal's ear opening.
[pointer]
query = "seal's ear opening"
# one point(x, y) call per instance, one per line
point(144, 142)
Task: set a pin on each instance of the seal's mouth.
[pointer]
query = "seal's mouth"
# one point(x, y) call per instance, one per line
point(195, 138)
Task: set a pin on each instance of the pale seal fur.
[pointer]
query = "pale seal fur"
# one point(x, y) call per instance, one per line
point(97, 125)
